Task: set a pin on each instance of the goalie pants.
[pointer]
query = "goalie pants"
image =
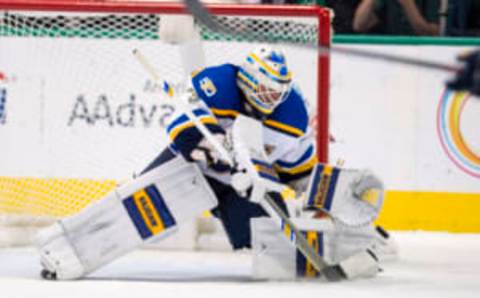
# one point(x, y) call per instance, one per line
point(233, 211)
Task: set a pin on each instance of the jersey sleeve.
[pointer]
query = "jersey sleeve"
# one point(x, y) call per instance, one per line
point(215, 90)
point(299, 161)
point(289, 129)
point(291, 117)
point(184, 135)
point(216, 86)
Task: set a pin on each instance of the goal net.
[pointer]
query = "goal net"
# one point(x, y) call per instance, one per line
point(78, 114)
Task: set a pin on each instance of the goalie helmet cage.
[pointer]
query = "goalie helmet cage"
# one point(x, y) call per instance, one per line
point(72, 91)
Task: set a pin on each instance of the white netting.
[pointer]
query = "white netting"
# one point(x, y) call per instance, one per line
point(82, 114)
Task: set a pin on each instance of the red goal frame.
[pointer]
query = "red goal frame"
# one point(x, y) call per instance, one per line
point(322, 14)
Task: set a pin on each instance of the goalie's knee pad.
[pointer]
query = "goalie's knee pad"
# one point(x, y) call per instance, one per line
point(274, 256)
point(149, 207)
point(384, 245)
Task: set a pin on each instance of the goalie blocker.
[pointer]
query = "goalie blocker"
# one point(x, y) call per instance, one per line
point(147, 208)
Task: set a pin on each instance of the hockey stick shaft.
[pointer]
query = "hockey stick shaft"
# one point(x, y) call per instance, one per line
point(297, 238)
point(433, 65)
point(183, 105)
point(198, 10)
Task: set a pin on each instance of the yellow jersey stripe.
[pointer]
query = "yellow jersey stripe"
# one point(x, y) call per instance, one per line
point(205, 120)
point(284, 127)
point(225, 113)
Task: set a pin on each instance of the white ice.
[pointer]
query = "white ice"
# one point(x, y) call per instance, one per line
point(431, 265)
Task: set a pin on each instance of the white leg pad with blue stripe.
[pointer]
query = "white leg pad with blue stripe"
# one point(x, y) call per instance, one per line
point(276, 258)
point(147, 208)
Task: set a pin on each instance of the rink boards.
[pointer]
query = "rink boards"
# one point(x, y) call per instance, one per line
point(399, 121)
point(423, 140)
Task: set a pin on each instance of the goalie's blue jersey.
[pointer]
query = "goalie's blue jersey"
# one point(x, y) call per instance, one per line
point(288, 140)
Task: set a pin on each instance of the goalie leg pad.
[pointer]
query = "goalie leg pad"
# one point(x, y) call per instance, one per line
point(363, 264)
point(274, 257)
point(147, 208)
point(384, 245)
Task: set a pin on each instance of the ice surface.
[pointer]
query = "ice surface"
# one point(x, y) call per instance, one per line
point(430, 265)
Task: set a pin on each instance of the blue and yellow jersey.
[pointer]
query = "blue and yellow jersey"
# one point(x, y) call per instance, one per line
point(288, 140)
point(217, 88)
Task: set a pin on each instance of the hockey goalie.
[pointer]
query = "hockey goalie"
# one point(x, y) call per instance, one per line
point(258, 116)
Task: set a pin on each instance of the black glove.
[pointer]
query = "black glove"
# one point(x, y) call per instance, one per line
point(468, 78)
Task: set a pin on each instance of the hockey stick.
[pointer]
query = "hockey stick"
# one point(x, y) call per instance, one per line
point(182, 104)
point(199, 11)
point(332, 273)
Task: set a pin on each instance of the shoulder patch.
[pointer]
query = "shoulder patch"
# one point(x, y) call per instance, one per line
point(207, 86)
point(216, 86)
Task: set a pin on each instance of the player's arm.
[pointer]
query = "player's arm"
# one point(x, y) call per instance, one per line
point(295, 166)
point(187, 139)
point(365, 17)
point(468, 78)
point(420, 25)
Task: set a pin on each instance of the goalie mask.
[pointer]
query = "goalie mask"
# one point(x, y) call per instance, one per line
point(264, 79)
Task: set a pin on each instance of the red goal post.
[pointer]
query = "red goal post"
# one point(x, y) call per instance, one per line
point(71, 87)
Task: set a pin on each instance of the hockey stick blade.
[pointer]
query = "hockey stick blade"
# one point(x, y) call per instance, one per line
point(200, 12)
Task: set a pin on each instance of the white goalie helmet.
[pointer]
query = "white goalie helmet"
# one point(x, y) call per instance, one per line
point(265, 79)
